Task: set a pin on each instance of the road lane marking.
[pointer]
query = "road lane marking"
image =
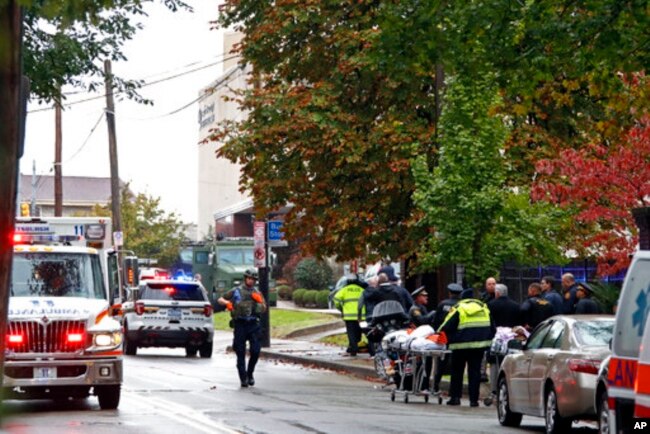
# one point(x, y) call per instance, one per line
point(180, 413)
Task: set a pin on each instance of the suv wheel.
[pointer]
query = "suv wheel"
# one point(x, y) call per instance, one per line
point(206, 350)
point(190, 351)
point(130, 347)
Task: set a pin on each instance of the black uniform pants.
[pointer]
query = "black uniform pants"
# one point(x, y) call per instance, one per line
point(246, 331)
point(472, 358)
point(353, 330)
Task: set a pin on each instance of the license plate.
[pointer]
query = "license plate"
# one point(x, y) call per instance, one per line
point(174, 313)
point(44, 373)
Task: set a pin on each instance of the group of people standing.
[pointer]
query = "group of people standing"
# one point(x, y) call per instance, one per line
point(469, 323)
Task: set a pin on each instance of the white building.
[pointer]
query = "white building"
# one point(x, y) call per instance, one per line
point(218, 178)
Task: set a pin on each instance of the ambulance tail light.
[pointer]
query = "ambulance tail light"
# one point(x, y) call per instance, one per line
point(139, 307)
point(207, 310)
point(585, 366)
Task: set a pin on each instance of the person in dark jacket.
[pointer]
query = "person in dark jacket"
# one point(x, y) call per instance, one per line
point(569, 289)
point(441, 312)
point(535, 309)
point(419, 314)
point(586, 304)
point(469, 329)
point(503, 309)
point(488, 293)
point(551, 295)
point(389, 271)
point(505, 312)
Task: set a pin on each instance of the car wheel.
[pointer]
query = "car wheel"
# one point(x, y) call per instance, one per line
point(506, 417)
point(109, 396)
point(130, 347)
point(603, 413)
point(191, 351)
point(206, 350)
point(555, 424)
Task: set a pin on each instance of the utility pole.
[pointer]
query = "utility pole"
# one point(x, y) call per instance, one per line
point(11, 127)
point(112, 148)
point(32, 202)
point(58, 173)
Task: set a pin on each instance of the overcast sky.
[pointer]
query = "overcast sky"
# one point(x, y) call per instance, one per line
point(157, 149)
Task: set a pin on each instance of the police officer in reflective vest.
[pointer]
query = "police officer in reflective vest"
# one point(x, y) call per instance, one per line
point(347, 301)
point(469, 329)
point(245, 304)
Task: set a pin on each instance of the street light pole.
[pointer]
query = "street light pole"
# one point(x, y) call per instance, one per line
point(263, 274)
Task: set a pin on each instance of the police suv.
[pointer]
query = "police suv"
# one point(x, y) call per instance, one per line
point(168, 313)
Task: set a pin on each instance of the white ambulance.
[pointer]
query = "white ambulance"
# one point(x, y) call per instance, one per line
point(623, 392)
point(61, 339)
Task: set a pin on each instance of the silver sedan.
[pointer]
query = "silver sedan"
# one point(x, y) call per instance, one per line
point(554, 375)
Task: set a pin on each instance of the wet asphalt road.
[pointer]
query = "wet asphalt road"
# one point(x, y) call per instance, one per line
point(164, 392)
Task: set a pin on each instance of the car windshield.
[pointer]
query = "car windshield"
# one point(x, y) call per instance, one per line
point(172, 291)
point(56, 275)
point(240, 256)
point(597, 333)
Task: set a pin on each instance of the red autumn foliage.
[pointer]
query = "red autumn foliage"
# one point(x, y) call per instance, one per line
point(602, 183)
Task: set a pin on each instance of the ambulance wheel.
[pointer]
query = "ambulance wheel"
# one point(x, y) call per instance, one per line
point(109, 396)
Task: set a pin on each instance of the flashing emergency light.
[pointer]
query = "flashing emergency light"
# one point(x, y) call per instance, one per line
point(75, 337)
point(23, 238)
point(15, 339)
point(170, 290)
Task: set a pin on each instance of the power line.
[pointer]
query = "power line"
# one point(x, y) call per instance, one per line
point(83, 145)
point(142, 86)
point(230, 77)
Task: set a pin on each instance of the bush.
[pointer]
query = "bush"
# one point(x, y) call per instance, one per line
point(284, 292)
point(313, 274)
point(309, 298)
point(322, 299)
point(299, 296)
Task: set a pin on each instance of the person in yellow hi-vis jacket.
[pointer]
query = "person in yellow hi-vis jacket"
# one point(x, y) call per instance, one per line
point(346, 300)
point(469, 329)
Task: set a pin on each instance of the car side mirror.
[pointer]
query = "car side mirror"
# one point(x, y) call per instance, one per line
point(515, 344)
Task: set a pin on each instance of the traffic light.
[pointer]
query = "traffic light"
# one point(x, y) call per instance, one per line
point(24, 209)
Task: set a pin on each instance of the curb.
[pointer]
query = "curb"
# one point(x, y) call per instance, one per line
point(320, 328)
point(362, 372)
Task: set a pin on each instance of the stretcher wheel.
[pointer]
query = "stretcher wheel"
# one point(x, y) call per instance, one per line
point(426, 398)
point(392, 396)
point(440, 400)
point(406, 398)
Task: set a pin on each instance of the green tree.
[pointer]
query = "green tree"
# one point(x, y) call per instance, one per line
point(474, 218)
point(148, 230)
point(346, 95)
point(311, 273)
point(65, 43)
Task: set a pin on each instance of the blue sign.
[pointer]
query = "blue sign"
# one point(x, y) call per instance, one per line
point(275, 230)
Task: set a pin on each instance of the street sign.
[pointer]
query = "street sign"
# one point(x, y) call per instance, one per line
point(276, 234)
point(259, 237)
point(118, 239)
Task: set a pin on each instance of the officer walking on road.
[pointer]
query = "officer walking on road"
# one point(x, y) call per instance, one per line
point(346, 300)
point(245, 304)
